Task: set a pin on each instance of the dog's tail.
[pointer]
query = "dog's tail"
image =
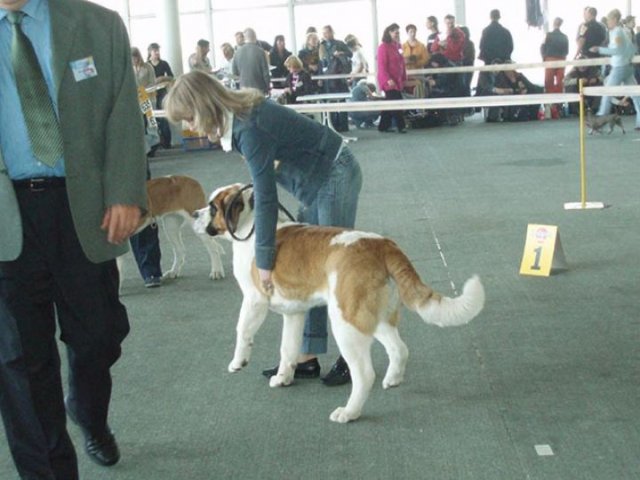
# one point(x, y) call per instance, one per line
point(433, 307)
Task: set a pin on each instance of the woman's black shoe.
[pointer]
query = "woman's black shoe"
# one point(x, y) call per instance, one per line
point(308, 369)
point(338, 375)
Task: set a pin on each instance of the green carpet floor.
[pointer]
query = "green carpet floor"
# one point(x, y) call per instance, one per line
point(550, 366)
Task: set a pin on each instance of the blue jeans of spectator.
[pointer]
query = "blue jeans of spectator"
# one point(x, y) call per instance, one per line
point(145, 246)
point(620, 76)
point(146, 250)
point(364, 117)
point(335, 205)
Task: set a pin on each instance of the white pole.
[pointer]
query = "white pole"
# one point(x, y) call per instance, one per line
point(170, 44)
point(210, 32)
point(126, 14)
point(375, 36)
point(293, 42)
point(460, 12)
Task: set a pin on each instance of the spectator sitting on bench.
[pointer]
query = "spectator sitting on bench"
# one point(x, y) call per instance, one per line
point(298, 82)
point(443, 84)
point(592, 76)
point(512, 82)
point(363, 92)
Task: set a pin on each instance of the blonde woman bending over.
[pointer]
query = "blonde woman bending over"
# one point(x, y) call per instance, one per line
point(314, 166)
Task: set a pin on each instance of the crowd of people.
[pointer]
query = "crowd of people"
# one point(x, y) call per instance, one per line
point(448, 46)
point(274, 70)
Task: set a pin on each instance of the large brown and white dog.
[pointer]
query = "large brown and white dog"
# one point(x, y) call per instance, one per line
point(361, 277)
point(172, 201)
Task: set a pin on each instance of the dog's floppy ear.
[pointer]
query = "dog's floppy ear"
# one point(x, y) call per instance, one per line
point(233, 207)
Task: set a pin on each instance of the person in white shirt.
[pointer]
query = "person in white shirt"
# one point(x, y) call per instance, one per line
point(622, 50)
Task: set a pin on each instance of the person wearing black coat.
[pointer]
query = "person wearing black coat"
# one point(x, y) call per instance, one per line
point(277, 55)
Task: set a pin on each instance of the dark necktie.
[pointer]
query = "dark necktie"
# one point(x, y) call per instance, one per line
point(37, 107)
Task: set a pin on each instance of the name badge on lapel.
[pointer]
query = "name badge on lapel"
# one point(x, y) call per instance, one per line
point(83, 69)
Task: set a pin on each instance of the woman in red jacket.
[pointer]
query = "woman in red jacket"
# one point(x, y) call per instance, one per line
point(391, 76)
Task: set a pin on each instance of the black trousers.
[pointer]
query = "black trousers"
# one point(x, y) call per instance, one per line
point(52, 279)
point(387, 115)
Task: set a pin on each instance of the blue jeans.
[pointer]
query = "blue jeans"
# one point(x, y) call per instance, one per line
point(335, 205)
point(620, 76)
point(145, 246)
point(146, 250)
point(364, 117)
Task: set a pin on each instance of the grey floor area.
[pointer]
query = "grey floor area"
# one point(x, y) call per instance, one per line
point(544, 384)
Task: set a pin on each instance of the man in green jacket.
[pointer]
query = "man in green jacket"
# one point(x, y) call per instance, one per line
point(72, 188)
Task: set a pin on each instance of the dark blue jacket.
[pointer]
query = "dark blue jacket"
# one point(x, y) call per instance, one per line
point(305, 151)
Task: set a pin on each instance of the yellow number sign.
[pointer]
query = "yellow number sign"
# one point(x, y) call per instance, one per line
point(542, 251)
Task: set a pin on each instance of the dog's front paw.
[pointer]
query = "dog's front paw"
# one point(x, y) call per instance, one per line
point(237, 365)
point(392, 381)
point(342, 415)
point(171, 274)
point(216, 274)
point(280, 381)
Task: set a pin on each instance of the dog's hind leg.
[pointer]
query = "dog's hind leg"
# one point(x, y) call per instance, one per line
point(621, 125)
point(172, 224)
point(120, 265)
point(397, 352)
point(292, 328)
point(252, 314)
point(355, 348)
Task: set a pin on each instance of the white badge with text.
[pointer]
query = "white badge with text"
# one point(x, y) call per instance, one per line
point(83, 69)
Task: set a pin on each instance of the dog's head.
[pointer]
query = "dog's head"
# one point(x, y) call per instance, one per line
point(230, 208)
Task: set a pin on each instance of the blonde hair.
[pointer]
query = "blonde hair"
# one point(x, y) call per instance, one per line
point(227, 50)
point(293, 61)
point(310, 35)
point(205, 102)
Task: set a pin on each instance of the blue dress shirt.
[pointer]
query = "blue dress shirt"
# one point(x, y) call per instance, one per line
point(14, 138)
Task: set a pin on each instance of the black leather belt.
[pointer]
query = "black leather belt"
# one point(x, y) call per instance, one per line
point(39, 184)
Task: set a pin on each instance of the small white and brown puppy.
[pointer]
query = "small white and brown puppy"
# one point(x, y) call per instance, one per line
point(172, 201)
point(597, 122)
point(361, 277)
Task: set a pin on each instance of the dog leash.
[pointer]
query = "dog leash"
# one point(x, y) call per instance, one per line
point(228, 210)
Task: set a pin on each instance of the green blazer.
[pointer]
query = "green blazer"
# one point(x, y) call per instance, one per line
point(101, 127)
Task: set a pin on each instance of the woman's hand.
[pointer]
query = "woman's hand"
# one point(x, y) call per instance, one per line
point(265, 281)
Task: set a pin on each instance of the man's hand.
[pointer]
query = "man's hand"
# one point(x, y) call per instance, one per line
point(120, 222)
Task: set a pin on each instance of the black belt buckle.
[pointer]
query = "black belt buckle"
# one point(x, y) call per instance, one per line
point(37, 184)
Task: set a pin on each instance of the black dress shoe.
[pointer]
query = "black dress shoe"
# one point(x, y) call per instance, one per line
point(102, 449)
point(338, 375)
point(308, 369)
